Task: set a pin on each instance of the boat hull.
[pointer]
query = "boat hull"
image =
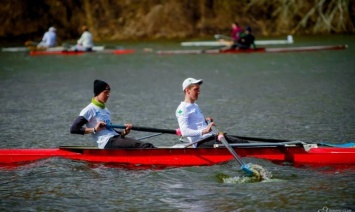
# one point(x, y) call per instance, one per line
point(180, 157)
point(257, 50)
point(55, 49)
point(73, 52)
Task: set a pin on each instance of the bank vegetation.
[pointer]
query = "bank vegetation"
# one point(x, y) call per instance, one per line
point(171, 19)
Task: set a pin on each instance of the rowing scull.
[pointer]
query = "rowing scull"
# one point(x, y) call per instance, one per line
point(289, 40)
point(257, 50)
point(182, 157)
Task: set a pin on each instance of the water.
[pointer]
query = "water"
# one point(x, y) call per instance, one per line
point(307, 96)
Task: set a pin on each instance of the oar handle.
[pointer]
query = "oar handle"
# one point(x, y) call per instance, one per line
point(221, 138)
point(147, 129)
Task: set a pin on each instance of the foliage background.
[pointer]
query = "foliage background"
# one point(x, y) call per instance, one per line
point(171, 19)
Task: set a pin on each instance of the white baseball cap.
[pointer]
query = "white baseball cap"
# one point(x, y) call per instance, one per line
point(52, 29)
point(189, 81)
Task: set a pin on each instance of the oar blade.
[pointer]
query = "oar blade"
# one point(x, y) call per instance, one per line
point(256, 171)
point(248, 170)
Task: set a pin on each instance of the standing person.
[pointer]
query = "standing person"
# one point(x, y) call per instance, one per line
point(191, 121)
point(85, 43)
point(49, 39)
point(96, 116)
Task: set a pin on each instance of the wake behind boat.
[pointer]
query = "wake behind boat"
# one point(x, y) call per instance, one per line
point(297, 153)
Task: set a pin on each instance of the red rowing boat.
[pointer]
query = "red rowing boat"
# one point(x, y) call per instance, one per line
point(257, 50)
point(73, 52)
point(181, 157)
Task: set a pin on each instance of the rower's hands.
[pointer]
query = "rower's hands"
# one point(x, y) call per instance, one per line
point(127, 130)
point(100, 126)
point(208, 128)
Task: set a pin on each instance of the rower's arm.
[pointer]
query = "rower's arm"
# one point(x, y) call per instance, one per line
point(77, 126)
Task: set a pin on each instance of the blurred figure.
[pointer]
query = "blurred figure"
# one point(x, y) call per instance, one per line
point(85, 43)
point(49, 39)
point(236, 30)
point(245, 41)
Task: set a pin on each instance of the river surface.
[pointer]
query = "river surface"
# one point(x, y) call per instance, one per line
point(308, 96)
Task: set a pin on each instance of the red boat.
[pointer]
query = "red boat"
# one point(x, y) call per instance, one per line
point(179, 157)
point(73, 52)
point(257, 50)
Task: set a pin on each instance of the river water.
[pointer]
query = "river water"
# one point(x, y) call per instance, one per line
point(308, 96)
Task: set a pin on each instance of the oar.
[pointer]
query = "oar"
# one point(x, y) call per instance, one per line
point(147, 129)
point(149, 136)
point(218, 37)
point(260, 139)
point(245, 167)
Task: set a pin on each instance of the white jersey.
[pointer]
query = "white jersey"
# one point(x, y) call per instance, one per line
point(86, 40)
point(191, 121)
point(93, 114)
point(49, 39)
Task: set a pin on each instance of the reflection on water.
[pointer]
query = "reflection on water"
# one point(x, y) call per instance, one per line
point(306, 96)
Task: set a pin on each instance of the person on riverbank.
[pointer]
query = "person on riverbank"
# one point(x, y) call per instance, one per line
point(85, 43)
point(49, 39)
point(245, 41)
point(96, 116)
point(192, 122)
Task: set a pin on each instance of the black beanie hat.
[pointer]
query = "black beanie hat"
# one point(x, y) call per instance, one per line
point(100, 86)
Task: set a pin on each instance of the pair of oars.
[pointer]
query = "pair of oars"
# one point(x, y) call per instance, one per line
point(247, 168)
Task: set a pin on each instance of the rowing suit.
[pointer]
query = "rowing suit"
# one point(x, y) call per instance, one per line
point(106, 138)
point(191, 122)
point(94, 114)
point(48, 40)
point(85, 42)
point(235, 33)
point(245, 41)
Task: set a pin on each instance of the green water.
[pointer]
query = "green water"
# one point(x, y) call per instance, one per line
point(307, 96)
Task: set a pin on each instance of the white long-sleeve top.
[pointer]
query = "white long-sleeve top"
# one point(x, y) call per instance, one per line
point(191, 121)
point(49, 39)
point(86, 40)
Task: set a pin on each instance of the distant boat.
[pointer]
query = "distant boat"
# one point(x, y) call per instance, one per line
point(251, 50)
point(57, 48)
point(223, 40)
point(75, 52)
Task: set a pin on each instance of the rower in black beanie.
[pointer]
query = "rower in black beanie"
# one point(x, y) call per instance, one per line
point(100, 86)
point(96, 116)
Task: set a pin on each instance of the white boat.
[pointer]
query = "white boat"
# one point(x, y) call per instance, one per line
point(225, 40)
point(15, 49)
point(57, 48)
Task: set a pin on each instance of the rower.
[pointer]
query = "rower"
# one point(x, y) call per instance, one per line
point(95, 116)
point(236, 32)
point(49, 39)
point(193, 124)
point(85, 43)
point(245, 41)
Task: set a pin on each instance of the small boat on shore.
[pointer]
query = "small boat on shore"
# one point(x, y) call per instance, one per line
point(297, 153)
point(251, 50)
